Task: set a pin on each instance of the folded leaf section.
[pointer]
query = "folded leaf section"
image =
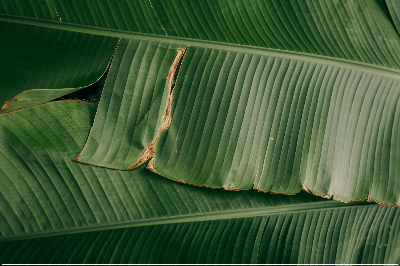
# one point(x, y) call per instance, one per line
point(242, 120)
point(363, 235)
point(132, 104)
point(48, 63)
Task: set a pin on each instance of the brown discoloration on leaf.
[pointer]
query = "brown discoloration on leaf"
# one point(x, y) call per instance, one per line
point(7, 104)
point(170, 77)
point(166, 117)
point(307, 189)
point(149, 150)
point(58, 16)
point(150, 166)
point(275, 192)
point(231, 188)
point(352, 200)
point(348, 201)
point(155, 14)
point(147, 153)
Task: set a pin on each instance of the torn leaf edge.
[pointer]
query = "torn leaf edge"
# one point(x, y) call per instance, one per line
point(149, 150)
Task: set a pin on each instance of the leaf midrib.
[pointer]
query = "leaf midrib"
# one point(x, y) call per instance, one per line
point(199, 217)
point(312, 58)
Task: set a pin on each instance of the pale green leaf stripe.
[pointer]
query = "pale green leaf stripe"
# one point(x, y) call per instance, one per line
point(358, 30)
point(365, 235)
point(48, 63)
point(132, 104)
point(43, 192)
point(240, 119)
point(394, 10)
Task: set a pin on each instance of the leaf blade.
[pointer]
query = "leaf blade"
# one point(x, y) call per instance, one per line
point(352, 30)
point(63, 62)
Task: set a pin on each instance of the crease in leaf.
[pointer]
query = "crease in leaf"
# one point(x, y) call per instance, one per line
point(229, 105)
point(42, 194)
point(149, 150)
point(308, 164)
point(159, 22)
point(135, 105)
point(227, 122)
point(274, 103)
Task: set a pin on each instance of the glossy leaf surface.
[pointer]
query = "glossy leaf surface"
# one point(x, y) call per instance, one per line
point(133, 101)
point(48, 63)
point(139, 217)
point(357, 30)
point(241, 119)
point(394, 11)
point(273, 95)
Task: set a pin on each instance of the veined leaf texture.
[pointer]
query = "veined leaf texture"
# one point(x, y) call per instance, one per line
point(55, 210)
point(260, 95)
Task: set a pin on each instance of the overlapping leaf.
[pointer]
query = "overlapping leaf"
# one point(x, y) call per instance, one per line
point(133, 102)
point(139, 217)
point(327, 126)
point(323, 103)
point(47, 63)
point(244, 119)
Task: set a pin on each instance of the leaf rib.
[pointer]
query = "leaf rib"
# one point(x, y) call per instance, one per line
point(384, 71)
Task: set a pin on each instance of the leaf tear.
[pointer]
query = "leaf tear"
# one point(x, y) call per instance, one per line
point(306, 189)
point(149, 150)
point(58, 16)
point(8, 104)
point(164, 30)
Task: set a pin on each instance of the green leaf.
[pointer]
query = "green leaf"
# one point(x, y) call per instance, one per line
point(242, 119)
point(318, 77)
point(320, 236)
point(47, 63)
point(357, 30)
point(246, 117)
point(44, 192)
point(288, 120)
point(133, 101)
point(394, 10)
point(54, 210)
